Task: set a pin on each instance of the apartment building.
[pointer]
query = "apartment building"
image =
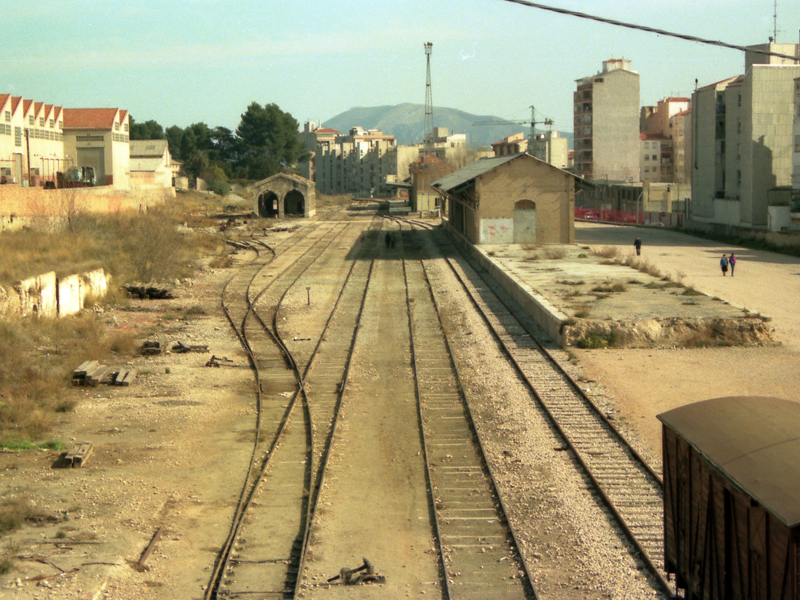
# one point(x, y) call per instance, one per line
point(511, 144)
point(796, 153)
point(552, 149)
point(359, 162)
point(606, 124)
point(662, 145)
point(743, 142)
point(445, 145)
point(317, 139)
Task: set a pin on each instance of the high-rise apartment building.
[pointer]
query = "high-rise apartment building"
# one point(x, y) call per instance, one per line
point(606, 124)
point(743, 141)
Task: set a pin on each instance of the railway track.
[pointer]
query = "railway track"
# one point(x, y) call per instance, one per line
point(299, 403)
point(629, 487)
point(264, 550)
point(477, 547)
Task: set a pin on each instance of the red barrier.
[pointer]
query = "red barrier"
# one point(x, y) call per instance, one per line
point(630, 217)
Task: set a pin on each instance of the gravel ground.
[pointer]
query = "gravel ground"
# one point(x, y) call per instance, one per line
point(170, 448)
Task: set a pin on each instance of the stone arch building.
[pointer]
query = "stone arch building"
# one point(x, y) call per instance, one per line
point(285, 194)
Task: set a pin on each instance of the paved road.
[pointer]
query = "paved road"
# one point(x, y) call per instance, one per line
point(765, 282)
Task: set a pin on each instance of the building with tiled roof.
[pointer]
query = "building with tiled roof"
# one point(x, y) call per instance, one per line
point(39, 140)
point(99, 138)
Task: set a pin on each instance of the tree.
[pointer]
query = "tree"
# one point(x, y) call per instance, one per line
point(149, 130)
point(268, 139)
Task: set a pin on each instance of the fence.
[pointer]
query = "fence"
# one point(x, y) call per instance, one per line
point(630, 217)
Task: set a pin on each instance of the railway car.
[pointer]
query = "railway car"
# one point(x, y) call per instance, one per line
point(732, 498)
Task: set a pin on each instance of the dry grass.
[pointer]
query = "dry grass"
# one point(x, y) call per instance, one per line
point(326, 201)
point(15, 511)
point(36, 361)
point(37, 356)
point(609, 252)
point(554, 253)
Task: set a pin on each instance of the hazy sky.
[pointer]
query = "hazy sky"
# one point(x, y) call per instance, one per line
point(184, 61)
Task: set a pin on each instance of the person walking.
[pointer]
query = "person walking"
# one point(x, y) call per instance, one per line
point(723, 263)
point(637, 243)
point(732, 262)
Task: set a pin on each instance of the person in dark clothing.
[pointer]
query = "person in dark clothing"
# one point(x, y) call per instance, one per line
point(637, 243)
point(732, 262)
point(388, 239)
point(723, 263)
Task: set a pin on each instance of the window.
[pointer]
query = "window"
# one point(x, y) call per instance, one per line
point(8, 116)
point(52, 122)
point(116, 126)
point(655, 157)
point(31, 119)
point(41, 121)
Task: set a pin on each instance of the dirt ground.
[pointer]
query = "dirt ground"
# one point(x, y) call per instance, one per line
point(644, 383)
point(171, 448)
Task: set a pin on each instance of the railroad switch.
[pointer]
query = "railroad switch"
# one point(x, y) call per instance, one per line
point(363, 574)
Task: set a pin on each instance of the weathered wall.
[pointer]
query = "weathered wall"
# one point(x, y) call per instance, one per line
point(38, 295)
point(47, 296)
point(527, 178)
point(21, 207)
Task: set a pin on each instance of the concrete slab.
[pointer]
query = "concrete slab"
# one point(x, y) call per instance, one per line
point(582, 292)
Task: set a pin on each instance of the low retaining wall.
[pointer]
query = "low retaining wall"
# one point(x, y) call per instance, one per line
point(42, 208)
point(545, 314)
point(47, 296)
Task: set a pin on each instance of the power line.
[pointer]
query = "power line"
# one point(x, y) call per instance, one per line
point(689, 38)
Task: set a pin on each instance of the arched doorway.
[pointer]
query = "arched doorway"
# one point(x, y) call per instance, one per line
point(294, 203)
point(268, 205)
point(525, 222)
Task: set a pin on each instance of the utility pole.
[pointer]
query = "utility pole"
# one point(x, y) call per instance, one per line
point(428, 97)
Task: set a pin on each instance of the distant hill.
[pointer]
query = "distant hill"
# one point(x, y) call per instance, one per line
point(406, 122)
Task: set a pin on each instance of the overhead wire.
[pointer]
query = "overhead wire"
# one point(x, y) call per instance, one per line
point(689, 38)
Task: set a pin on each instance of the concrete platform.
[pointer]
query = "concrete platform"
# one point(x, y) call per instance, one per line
point(581, 298)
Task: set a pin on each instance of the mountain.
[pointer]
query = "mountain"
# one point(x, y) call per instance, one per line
point(406, 122)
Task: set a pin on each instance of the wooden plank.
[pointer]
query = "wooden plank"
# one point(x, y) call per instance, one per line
point(150, 547)
point(128, 378)
point(78, 456)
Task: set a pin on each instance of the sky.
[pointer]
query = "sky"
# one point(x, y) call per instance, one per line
point(186, 61)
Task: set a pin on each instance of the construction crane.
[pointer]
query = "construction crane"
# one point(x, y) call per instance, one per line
point(533, 122)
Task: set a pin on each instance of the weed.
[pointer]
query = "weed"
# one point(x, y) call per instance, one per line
point(195, 310)
point(167, 370)
point(14, 512)
point(555, 253)
point(582, 314)
point(609, 288)
point(568, 282)
point(491, 253)
point(61, 534)
point(582, 255)
point(611, 252)
point(19, 445)
point(595, 341)
point(691, 292)
point(5, 566)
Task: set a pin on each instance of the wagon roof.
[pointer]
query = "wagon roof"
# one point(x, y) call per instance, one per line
point(754, 441)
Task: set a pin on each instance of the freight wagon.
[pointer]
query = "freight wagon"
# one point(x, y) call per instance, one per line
point(732, 498)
